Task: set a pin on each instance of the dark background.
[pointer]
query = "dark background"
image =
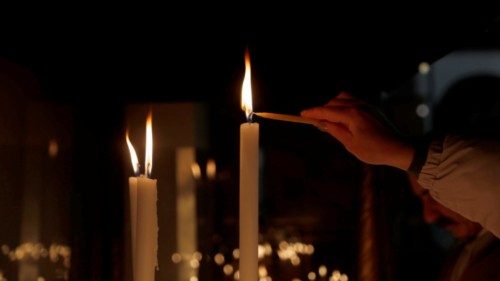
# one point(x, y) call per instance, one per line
point(303, 54)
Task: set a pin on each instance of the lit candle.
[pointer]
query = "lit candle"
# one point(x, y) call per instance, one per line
point(132, 183)
point(143, 215)
point(249, 180)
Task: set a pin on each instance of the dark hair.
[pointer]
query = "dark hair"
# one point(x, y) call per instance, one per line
point(470, 107)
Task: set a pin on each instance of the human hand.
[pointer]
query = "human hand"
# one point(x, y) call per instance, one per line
point(363, 131)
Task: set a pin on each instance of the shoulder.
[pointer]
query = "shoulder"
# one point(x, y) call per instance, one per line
point(484, 265)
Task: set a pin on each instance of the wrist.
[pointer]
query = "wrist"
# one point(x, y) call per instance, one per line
point(404, 156)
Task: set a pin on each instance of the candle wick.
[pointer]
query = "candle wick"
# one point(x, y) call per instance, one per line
point(137, 172)
point(146, 172)
point(250, 117)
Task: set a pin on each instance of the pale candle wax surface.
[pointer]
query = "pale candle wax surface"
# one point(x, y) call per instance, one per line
point(144, 227)
point(249, 201)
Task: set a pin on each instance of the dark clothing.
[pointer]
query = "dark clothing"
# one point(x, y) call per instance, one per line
point(480, 259)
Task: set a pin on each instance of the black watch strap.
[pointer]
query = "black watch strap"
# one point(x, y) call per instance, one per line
point(419, 157)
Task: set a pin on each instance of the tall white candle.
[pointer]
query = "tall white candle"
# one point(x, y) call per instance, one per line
point(249, 201)
point(147, 230)
point(249, 185)
point(132, 185)
point(143, 213)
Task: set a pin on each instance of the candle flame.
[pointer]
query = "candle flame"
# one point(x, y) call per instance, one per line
point(246, 89)
point(196, 171)
point(133, 155)
point(211, 169)
point(149, 145)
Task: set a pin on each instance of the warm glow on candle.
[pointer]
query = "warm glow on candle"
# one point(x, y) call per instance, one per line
point(133, 155)
point(149, 145)
point(246, 88)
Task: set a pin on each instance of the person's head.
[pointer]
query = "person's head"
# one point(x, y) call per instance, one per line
point(471, 106)
point(434, 212)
